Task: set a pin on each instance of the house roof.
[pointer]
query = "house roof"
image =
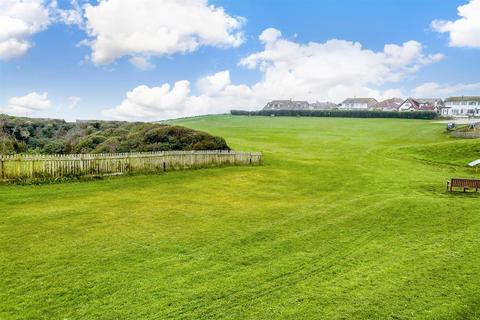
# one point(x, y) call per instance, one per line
point(369, 101)
point(425, 104)
point(323, 104)
point(430, 101)
point(393, 103)
point(287, 101)
point(463, 98)
point(426, 108)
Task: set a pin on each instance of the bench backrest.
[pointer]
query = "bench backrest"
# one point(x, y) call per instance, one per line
point(465, 183)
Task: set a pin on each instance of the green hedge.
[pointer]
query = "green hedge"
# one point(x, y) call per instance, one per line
point(425, 115)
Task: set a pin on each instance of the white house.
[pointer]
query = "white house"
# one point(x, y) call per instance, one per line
point(389, 105)
point(358, 103)
point(461, 107)
point(421, 104)
point(287, 105)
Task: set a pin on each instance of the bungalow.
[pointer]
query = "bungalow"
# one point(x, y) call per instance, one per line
point(461, 107)
point(389, 104)
point(323, 106)
point(287, 105)
point(411, 104)
point(358, 103)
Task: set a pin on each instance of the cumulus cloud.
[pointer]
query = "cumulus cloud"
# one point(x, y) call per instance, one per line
point(25, 105)
point(433, 89)
point(153, 103)
point(119, 28)
point(73, 102)
point(19, 20)
point(141, 63)
point(215, 83)
point(69, 16)
point(217, 95)
point(465, 31)
point(330, 71)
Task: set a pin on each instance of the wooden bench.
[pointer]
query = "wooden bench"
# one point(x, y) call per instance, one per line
point(463, 183)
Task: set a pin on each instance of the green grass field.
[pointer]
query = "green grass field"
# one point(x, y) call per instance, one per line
point(346, 219)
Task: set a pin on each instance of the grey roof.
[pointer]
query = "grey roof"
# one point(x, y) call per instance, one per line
point(426, 103)
point(463, 98)
point(323, 105)
point(429, 100)
point(360, 100)
point(392, 103)
point(286, 105)
point(288, 101)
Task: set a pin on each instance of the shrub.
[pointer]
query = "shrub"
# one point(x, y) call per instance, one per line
point(425, 115)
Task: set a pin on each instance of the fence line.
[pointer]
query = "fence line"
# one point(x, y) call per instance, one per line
point(467, 135)
point(60, 165)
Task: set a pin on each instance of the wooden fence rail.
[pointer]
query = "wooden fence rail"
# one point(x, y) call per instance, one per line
point(69, 165)
point(466, 135)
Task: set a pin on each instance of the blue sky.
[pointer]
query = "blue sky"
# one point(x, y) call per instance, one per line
point(58, 64)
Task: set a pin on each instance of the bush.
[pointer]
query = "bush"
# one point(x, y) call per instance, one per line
point(24, 135)
point(424, 115)
point(55, 147)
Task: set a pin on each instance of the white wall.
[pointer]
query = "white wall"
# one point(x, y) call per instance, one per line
point(462, 108)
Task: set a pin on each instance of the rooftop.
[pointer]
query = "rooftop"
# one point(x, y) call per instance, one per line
point(463, 98)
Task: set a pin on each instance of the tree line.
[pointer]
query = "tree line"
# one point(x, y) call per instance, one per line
point(52, 136)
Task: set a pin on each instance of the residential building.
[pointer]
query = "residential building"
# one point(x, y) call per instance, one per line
point(358, 103)
point(323, 106)
point(421, 104)
point(462, 106)
point(287, 105)
point(389, 104)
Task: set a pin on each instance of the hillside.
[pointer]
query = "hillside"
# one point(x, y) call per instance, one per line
point(48, 136)
point(346, 219)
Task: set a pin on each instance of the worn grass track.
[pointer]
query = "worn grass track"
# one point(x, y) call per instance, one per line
point(347, 219)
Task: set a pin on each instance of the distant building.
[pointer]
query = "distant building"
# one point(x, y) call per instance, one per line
point(358, 103)
point(322, 106)
point(287, 105)
point(461, 107)
point(389, 104)
point(422, 104)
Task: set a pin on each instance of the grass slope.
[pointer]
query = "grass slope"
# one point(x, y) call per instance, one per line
point(347, 219)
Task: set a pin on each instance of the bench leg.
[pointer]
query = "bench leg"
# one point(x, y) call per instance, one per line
point(464, 189)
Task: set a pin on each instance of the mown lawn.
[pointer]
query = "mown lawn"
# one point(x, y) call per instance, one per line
point(346, 219)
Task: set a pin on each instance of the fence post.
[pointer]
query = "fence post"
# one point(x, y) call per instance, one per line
point(88, 164)
point(2, 169)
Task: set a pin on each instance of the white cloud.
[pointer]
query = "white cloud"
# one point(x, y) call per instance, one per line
point(433, 89)
point(217, 95)
point(465, 31)
point(19, 20)
point(157, 27)
point(71, 16)
point(141, 63)
point(25, 105)
point(73, 102)
point(330, 71)
point(215, 83)
point(153, 103)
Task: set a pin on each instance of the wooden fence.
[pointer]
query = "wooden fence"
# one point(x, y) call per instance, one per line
point(465, 135)
point(72, 165)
